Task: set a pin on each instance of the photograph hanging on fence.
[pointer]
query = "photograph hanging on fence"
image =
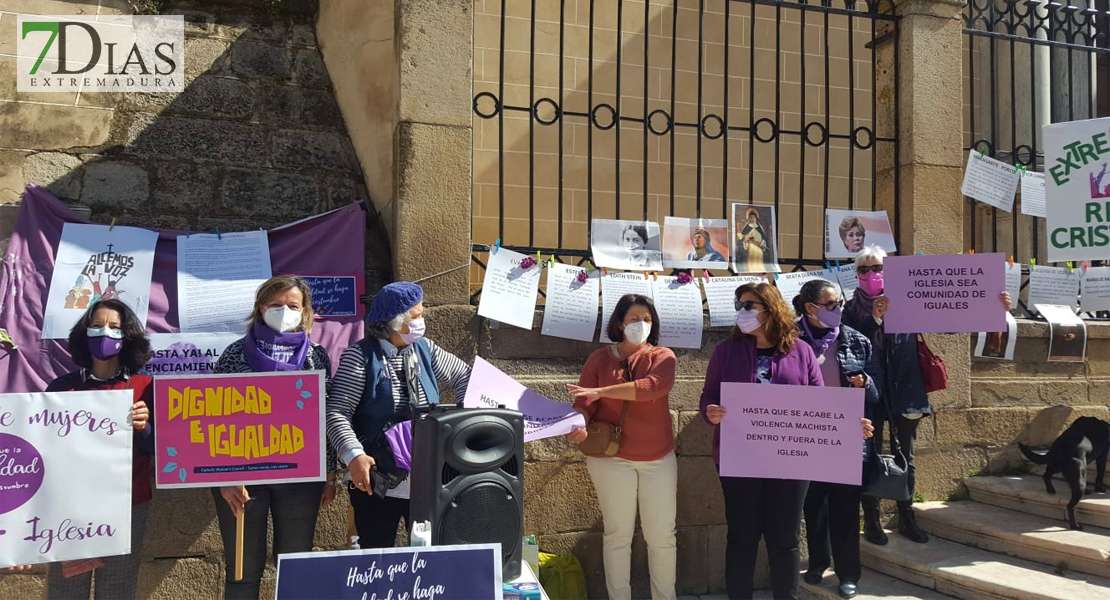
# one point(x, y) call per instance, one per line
point(695, 243)
point(632, 245)
point(849, 231)
point(754, 239)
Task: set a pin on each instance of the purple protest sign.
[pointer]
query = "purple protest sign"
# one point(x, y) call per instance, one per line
point(955, 293)
point(792, 432)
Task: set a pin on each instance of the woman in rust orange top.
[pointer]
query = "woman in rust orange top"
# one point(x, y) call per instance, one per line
point(628, 385)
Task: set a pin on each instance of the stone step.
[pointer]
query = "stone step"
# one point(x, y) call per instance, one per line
point(1092, 472)
point(1047, 541)
point(1027, 494)
point(975, 574)
point(872, 586)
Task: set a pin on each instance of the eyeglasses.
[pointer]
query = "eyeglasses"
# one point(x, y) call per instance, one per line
point(831, 305)
point(869, 269)
point(748, 304)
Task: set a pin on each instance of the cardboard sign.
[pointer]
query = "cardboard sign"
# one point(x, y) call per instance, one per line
point(1077, 189)
point(426, 573)
point(543, 418)
point(249, 428)
point(335, 295)
point(792, 432)
point(65, 476)
point(945, 294)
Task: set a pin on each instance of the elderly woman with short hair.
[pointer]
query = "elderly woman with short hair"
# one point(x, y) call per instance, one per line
point(382, 380)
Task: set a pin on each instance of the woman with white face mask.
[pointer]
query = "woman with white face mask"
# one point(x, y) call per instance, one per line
point(382, 381)
point(277, 340)
point(846, 360)
point(627, 385)
point(763, 349)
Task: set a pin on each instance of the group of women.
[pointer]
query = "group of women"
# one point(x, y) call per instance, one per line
point(395, 373)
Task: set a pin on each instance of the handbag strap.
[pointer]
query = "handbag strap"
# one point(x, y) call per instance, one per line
point(895, 447)
point(624, 412)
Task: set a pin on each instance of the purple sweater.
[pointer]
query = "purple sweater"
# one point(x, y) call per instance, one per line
point(735, 361)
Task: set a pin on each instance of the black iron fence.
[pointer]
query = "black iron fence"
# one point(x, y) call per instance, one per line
point(641, 110)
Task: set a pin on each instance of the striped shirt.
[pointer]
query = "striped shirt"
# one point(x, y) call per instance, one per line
point(345, 389)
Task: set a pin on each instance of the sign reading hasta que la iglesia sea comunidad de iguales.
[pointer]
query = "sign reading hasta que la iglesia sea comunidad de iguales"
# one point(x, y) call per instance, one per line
point(945, 294)
point(239, 429)
point(1077, 190)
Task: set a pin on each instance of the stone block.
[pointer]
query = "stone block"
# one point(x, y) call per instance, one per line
point(311, 149)
point(559, 498)
point(8, 77)
point(1099, 390)
point(114, 183)
point(309, 70)
point(1038, 391)
point(269, 194)
point(215, 97)
point(587, 548)
point(331, 525)
point(695, 436)
point(1047, 424)
point(940, 472)
point(981, 426)
point(206, 56)
point(59, 173)
point(221, 141)
point(700, 501)
point(76, 10)
point(930, 51)
point(692, 573)
point(455, 329)
point(23, 585)
point(255, 60)
point(186, 525)
point(12, 179)
point(955, 351)
point(286, 105)
point(52, 127)
point(433, 190)
point(183, 186)
point(302, 34)
point(686, 393)
point(435, 49)
point(506, 341)
point(931, 196)
point(553, 449)
point(175, 578)
point(340, 191)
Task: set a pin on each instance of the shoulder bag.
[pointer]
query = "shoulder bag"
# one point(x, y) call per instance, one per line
point(933, 372)
point(602, 438)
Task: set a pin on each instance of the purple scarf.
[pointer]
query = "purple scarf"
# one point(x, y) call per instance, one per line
point(268, 350)
point(820, 345)
point(400, 442)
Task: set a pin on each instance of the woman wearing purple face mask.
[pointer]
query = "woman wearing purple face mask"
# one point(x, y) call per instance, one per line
point(846, 360)
point(110, 347)
point(382, 380)
point(277, 340)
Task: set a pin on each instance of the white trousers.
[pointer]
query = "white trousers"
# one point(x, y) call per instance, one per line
point(619, 484)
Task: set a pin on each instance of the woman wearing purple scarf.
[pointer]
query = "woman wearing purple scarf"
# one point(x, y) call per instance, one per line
point(903, 389)
point(276, 340)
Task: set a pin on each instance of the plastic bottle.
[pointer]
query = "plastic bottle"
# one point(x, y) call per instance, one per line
point(421, 534)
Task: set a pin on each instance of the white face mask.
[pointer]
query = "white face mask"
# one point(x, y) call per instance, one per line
point(416, 331)
point(748, 320)
point(637, 333)
point(282, 318)
point(105, 331)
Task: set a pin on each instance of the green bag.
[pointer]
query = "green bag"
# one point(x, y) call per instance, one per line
point(562, 577)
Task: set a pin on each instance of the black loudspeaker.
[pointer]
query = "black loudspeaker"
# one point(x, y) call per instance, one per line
point(468, 479)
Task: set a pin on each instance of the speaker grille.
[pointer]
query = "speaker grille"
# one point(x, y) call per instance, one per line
point(511, 467)
point(478, 516)
point(449, 474)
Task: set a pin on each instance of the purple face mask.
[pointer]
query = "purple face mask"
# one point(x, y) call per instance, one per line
point(871, 283)
point(104, 348)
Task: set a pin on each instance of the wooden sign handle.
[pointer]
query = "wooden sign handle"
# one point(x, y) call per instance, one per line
point(240, 525)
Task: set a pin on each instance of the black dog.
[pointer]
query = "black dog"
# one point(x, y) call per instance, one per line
point(1084, 440)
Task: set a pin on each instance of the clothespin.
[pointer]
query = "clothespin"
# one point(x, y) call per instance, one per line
point(1086, 267)
point(960, 252)
point(1070, 269)
point(647, 275)
point(972, 251)
point(1024, 169)
point(1011, 261)
point(828, 267)
point(1033, 263)
point(113, 225)
point(983, 152)
point(219, 236)
point(604, 271)
point(776, 276)
point(706, 274)
point(837, 264)
point(918, 253)
point(590, 265)
point(539, 260)
point(763, 276)
point(496, 246)
point(551, 263)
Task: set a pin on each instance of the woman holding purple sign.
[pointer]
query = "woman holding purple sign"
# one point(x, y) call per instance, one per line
point(763, 349)
point(903, 389)
point(846, 360)
point(110, 347)
point(277, 340)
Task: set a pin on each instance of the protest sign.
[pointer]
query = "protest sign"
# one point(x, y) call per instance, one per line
point(1077, 189)
point(248, 428)
point(491, 388)
point(471, 571)
point(792, 432)
point(65, 476)
point(335, 296)
point(945, 294)
point(187, 353)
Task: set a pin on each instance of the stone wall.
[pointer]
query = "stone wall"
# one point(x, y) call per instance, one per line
point(256, 139)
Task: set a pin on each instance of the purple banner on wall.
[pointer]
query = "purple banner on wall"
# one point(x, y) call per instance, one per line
point(955, 293)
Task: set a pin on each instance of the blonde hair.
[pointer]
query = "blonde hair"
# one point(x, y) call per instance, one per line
point(276, 285)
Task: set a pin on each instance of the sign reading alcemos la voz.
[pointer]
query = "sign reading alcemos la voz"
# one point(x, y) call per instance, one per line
point(111, 54)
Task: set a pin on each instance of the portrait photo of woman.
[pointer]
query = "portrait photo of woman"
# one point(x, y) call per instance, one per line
point(754, 248)
point(695, 243)
point(630, 245)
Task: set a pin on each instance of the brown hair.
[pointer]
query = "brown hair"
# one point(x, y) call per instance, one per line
point(779, 326)
point(276, 285)
point(848, 223)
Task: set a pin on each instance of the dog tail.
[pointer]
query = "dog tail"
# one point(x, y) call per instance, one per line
point(1040, 459)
